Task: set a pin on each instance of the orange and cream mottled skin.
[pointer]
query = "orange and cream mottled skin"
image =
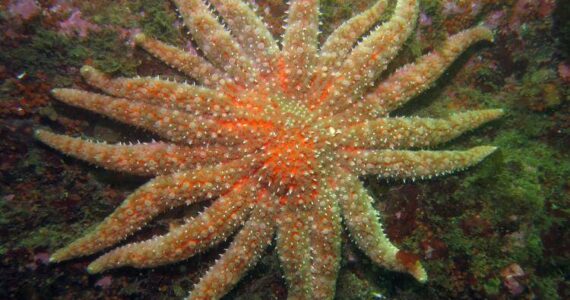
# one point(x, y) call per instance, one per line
point(275, 135)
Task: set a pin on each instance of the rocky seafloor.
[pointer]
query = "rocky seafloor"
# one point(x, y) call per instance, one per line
point(496, 231)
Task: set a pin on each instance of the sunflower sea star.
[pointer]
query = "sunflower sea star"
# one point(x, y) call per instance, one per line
point(276, 136)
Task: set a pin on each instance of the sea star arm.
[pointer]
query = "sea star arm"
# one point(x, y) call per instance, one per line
point(244, 251)
point(412, 132)
point(171, 124)
point(414, 164)
point(415, 78)
point(144, 159)
point(141, 159)
point(153, 198)
point(300, 44)
point(212, 226)
point(215, 41)
point(325, 243)
point(293, 245)
point(252, 35)
point(189, 63)
point(339, 44)
point(171, 94)
point(362, 221)
point(372, 56)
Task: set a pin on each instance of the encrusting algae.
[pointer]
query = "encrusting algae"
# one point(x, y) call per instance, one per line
point(277, 135)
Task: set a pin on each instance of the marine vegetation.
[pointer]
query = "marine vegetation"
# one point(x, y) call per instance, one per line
point(273, 136)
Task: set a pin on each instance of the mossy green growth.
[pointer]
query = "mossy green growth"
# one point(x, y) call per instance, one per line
point(5, 218)
point(433, 10)
point(497, 212)
point(539, 90)
point(179, 291)
point(332, 8)
point(52, 53)
point(351, 287)
point(332, 12)
point(110, 53)
point(490, 77)
point(547, 287)
point(48, 236)
point(492, 286)
point(158, 20)
point(46, 51)
point(114, 13)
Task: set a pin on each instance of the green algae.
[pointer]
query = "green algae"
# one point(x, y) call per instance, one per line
point(335, 9)
point(52, 53)
point(492, 286)
point(114, 13)
point(110, 54)
point(498, 208)
point(538, 89)
point(49, 237)
point(46, 51)
point(433, 10)
point(158, 21)
point(496, 213)
point(352, 287)
point(154, 18)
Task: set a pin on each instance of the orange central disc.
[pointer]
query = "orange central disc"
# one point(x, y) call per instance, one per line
point(291, 162)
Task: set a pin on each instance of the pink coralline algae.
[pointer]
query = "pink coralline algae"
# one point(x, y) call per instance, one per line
point(453, 8)
point(41, 258)
point(512, 276)
point(24, 9)
point(494, 19)
point(564, 72)
point(76, 25)
point(105, 282)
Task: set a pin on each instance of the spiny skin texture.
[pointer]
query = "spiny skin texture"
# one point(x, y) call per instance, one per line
point(277, 136)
